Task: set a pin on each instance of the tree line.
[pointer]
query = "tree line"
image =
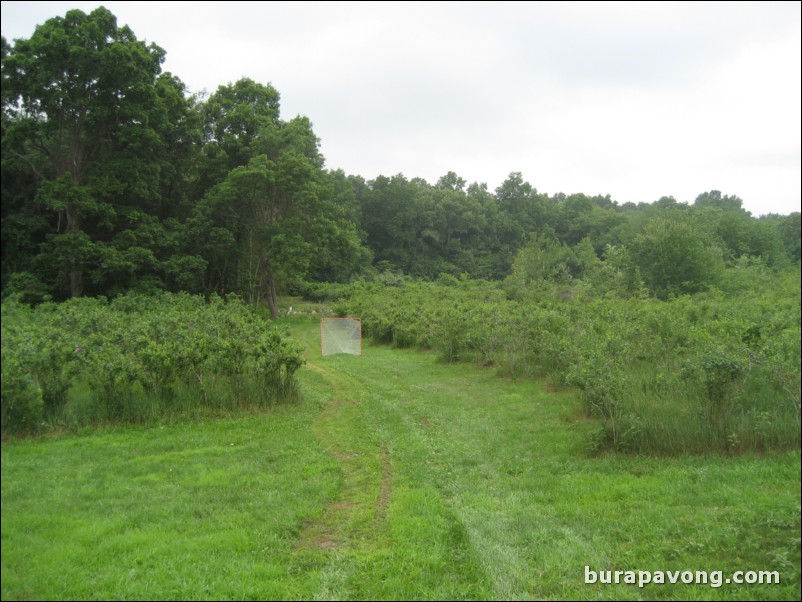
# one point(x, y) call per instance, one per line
point(115, 179)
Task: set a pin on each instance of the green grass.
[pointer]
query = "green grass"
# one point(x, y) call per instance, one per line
point(191, 510)
point(397, 476)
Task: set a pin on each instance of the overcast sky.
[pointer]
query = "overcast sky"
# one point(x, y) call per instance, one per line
point(634, 100)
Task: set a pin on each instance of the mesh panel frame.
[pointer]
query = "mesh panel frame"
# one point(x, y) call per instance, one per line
point(340, 335)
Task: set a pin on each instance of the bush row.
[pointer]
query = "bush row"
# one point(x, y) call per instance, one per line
point(135, 358)
point(691, 374)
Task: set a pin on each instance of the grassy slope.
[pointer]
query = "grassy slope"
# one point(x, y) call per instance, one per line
point(396, 477)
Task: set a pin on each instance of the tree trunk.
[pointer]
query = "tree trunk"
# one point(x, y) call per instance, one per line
point(75, 271)
point(76, 280)
point(272, 299)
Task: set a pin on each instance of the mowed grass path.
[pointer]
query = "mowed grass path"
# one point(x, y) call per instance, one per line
point(396, 477)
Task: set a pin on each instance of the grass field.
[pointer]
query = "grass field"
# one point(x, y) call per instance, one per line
point(395, 477)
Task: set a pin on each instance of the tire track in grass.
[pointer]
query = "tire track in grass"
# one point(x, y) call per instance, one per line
point(366, 489)
point(386, 487)
point(390, 532)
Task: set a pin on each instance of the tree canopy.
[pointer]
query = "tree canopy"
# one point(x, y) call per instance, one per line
point(114, 178)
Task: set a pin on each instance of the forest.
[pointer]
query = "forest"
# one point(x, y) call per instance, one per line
point(116, 181)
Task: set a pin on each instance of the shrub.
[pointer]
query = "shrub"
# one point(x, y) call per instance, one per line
point(135, 354)
point(22, 406)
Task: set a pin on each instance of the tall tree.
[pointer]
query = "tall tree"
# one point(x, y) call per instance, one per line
point(280, 214)
point(233, 118)
point(80, 102)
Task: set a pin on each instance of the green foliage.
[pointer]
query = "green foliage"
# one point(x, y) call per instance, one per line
point(719, 371)
point(140, 357)
point(277, 213)
point(685, 375)
point(21, 404)
point(673, 259)
point(789, 230)
point(232, 119)
point(85, 112)
point(721, 374)
point(542, 262)
point(598, 370)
